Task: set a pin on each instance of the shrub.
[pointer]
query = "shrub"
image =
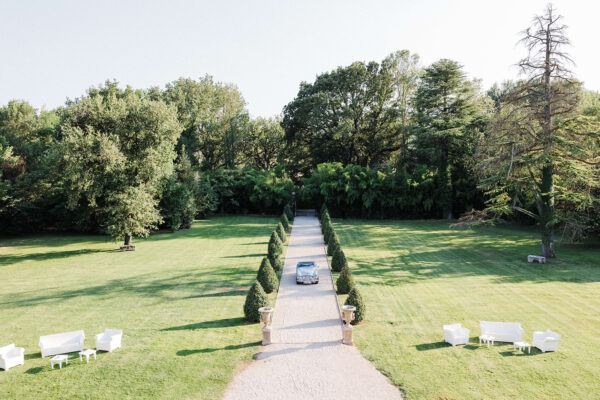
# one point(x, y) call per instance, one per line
point(276, 262)
point(333, 245)
point(275, 245)
point(345, 282)
point(177, 206)
point(266, 276)
point(281, 232)
point(323, 211)
point(255, 299)
point(287, 210)
point(285, 222)
point(356, 300)
point(338, 263)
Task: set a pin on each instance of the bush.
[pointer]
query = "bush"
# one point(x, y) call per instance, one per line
point(338, 263)
point(177, 206)
point(255, 299)
point(281, 232)
point(276, 262)
point(323, 211)
point(345, 282)
point(333, 245)
point(356, 300)
point(275, 245)
point(285, 222)
point(266, 276)
point(287, 210)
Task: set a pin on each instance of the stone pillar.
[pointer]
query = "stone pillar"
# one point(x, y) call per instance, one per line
point(266, 335)
point(348, 335)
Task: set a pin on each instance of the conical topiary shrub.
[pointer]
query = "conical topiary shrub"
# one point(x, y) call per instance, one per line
point(345, 282)
point(287, 210)
point(339, 260)
point(323, 211)
point(333, 245)
point(255, 299)
point(285, 222)
point(275, 245)
point(281, 232)
point(266, 276)
point(276, 262)
point(356, 300)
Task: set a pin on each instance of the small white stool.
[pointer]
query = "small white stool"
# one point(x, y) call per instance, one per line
point(59, 359)
point(521, 346)
point(486, 339)
point(87, 353)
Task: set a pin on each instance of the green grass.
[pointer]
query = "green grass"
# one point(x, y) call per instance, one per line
point(418, 275)
point(178, 299)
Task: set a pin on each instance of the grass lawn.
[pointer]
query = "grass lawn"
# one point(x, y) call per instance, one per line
point(178, 299)
point(418, 275)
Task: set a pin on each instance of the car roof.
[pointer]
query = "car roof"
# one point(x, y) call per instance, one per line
point(305, 264)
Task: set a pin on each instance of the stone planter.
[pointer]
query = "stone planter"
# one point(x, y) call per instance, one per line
point(266, 316)
point(348, 316)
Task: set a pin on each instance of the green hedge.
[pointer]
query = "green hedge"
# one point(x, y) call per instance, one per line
point(255, 299)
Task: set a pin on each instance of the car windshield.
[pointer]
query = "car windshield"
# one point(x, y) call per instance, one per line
point(305, 265)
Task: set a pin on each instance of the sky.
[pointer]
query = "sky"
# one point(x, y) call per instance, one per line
point(53, 50)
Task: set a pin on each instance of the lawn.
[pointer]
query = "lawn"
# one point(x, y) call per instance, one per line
point(418, 275)
point(178, 299)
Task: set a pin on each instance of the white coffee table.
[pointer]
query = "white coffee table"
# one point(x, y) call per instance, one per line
point(521, 346)
point(87, 353)
point(486, 339)
point(59, 359)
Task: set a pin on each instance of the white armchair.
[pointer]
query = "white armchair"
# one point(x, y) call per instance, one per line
point(11, 356)
point(109, 340)
point(456, 334)
point(546, 341)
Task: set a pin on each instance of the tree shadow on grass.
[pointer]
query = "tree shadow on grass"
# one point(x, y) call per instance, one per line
point(34, 370)
point(219, 323)
point(13, 259)
point(247, 255)
point(432, 346)
point(240, 292)
point(185, 353)
point(33, 355)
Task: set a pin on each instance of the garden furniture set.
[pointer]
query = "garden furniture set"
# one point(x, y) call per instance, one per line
point(510, 332)
point(58, 344)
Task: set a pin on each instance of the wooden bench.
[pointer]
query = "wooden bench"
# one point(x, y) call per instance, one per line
point(536, 259)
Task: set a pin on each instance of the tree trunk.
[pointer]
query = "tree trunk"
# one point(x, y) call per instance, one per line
point(547, 214)
point(127, 240)
point(445, 188)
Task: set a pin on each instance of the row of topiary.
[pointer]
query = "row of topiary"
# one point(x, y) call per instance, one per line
point(345, 282)
point(266, 279)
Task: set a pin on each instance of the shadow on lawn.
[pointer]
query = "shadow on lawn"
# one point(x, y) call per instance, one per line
point(432, 346)
point(34, 370)
point(13, 259)
point(219, 323)
point(185, 353)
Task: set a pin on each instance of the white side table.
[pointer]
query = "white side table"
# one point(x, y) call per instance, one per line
point(87, 353)
point(59, 359)
point(521, 346)
point(486, 339)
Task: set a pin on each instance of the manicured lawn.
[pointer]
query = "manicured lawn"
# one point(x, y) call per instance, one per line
point(178, 299)
point(418, 275)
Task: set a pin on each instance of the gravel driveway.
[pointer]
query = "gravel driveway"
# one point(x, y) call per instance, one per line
point(307, 359)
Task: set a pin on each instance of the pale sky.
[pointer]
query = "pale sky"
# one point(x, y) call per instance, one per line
point(53, 50)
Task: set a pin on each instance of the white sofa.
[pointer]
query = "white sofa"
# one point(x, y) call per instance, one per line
point(546, 341)
point(11, 356)
point(60, 343)
point(456, 334)
point(502, 331)
point(109, 340)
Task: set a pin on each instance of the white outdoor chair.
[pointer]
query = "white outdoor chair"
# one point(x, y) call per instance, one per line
point(456, 334)
point(11, 356)
point(546, 341)
point(109, 340)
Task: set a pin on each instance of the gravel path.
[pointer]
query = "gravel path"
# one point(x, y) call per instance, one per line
point(307, 359)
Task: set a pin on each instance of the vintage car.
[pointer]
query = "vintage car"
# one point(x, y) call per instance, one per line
point(307, 272)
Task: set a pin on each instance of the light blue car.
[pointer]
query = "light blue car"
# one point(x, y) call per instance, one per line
point(307, 272)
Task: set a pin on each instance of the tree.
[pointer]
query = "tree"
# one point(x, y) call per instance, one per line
point(266, 276)
point(539, 150)
point(263, 143)
point(355, 299)
point(449, 114)
point(281, 232)
point(117, 147)
point(255, 299)
point(345, 282)
point(338, 262)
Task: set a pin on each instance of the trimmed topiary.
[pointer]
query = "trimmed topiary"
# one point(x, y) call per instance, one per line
point(338, 262)
point(356, 300)
point(276, 262)
point(323, 210)
point(266, 276)
point(333, 245)
point(275, 245)
point(285, 222)
point(345, 282)
point(255, 299)
point(287, 210)
point(281, 232)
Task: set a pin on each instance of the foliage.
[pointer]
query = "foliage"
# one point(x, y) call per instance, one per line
point(333, 244)
point(338, 262)
point(287, 210)
point(284, 222)
point(355, 299)
point(177, 205)
point(255, 299)
point(275, 245)
point(266, 276)
point(281, 232)
point(276, 261)
point(345, 282)
point(263, 143)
